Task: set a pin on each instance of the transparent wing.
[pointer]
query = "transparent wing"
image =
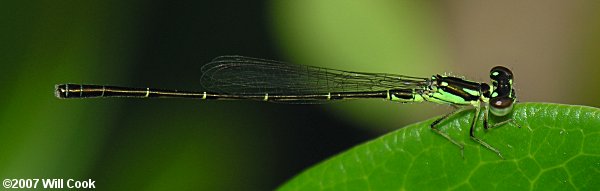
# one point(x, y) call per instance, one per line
point(245, 76)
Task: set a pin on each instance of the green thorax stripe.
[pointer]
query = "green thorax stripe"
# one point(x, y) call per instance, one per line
point(454, 90)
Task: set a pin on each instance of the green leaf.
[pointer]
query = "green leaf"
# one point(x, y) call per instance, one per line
point(557, 148)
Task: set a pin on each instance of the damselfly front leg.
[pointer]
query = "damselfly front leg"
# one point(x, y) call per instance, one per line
point(472, 131)
point(486, 124)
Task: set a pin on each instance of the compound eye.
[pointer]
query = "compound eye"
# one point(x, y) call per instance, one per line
point(500, 106)
point(501, 73)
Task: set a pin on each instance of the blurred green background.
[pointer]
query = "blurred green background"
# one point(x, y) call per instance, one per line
point(552, 47)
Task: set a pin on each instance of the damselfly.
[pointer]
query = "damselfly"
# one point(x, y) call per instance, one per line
point(245, 78)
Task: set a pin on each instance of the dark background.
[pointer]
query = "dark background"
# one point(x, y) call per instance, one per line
point(174, 40)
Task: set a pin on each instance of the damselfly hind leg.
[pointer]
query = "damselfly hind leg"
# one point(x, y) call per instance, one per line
point(435, 129)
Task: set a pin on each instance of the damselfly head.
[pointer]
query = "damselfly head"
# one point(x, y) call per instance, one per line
point(503, 95)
